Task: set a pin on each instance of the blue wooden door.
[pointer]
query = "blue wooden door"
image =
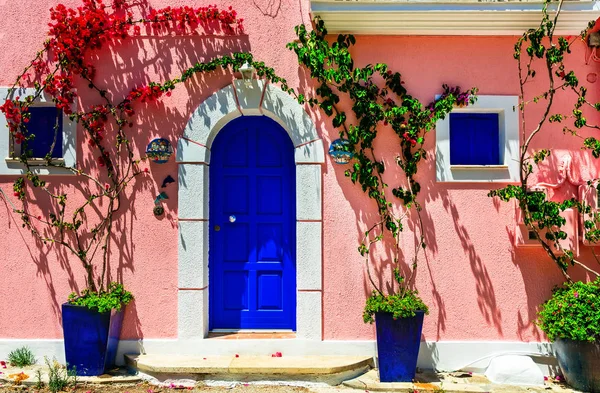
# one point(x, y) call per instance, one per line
point(252, 255)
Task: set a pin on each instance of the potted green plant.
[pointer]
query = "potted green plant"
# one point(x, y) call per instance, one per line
point(399, 325)
point(399, 311)
point(571, 319)
point(91, 328)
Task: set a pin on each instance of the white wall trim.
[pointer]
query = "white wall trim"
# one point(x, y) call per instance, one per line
point(506, 107)
point(401, 17)
point(440, 355)
point(69, 147)
point(221, 107)
point(193, 156)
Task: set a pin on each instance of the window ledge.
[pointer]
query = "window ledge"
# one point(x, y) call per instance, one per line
point(37, 161)
point(401, 17)
point(478, 167)
point(14, 166)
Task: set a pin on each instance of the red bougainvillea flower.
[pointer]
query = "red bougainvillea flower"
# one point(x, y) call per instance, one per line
point(18, 137)
point(73, 33)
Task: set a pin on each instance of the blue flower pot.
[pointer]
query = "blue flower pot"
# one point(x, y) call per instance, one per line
point(91, 339)
point(398, 343)
point(579, 362)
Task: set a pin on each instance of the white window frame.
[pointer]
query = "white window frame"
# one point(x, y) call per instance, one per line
point(12, 166)
point(508, 172)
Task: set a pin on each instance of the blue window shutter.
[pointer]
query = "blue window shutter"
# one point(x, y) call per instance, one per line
point(474, 139)
point(41, 124)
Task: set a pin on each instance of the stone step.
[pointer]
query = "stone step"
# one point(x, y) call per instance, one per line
point(328, 369)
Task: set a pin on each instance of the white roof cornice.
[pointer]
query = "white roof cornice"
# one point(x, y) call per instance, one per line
point(416, 17)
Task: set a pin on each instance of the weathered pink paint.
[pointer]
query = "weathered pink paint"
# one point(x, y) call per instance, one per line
point(478, 286)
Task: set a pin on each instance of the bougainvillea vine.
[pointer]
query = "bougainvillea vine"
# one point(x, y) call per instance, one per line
point(63, 63)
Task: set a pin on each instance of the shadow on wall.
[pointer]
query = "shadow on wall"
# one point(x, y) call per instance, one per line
point(269, 8)
point(381, 260)
point(432, 191)
point(538, 272)
point(130, 64)
point(486, 297)
point(533, 260)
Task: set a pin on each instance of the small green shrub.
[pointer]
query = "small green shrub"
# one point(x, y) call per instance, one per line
point(39, 384)
point(400, 305)
point(59, 377)
point(573, 312)
point(113, 299)
point(21, 357)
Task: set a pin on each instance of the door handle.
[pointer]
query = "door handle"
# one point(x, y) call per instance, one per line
point(232, 218)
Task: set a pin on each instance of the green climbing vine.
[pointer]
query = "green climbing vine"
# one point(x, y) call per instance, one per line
point(541, 215)
point(374, 107)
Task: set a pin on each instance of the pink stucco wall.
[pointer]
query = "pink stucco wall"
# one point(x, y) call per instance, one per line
point(478, 286)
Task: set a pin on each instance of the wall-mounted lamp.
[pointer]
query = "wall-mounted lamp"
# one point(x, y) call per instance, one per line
point(248, 73)
point(246, 89)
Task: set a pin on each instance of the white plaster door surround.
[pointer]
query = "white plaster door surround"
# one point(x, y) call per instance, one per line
point(193, 158)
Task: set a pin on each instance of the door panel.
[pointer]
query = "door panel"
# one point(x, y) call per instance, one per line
point(253, 205)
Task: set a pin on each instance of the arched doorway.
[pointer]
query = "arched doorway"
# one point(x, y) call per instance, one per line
point(194, 155)
point(252, 227)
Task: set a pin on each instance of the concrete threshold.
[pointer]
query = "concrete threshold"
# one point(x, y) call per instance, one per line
point(331, 370)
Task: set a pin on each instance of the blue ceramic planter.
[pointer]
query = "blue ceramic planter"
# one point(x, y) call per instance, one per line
point(91, 339)
point(398, 343)
point(580, 363)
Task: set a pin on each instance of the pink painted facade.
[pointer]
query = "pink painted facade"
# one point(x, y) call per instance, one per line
point(478, 285)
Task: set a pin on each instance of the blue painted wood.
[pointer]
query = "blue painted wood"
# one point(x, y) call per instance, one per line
point(253, 259)
point(91, 339)
point(475, 139)
point(579, 362)
point(42, 122)
point(398, 342)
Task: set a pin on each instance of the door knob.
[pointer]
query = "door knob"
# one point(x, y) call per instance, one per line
point(232, 218)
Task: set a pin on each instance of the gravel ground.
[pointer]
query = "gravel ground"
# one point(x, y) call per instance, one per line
point(147, 388)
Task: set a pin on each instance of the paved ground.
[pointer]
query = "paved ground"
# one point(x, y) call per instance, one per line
point(121, 382)
point(238, 387)
point(459, 382)
point(145, 388)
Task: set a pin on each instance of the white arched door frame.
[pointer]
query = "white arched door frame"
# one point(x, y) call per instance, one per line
point(193, 158)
